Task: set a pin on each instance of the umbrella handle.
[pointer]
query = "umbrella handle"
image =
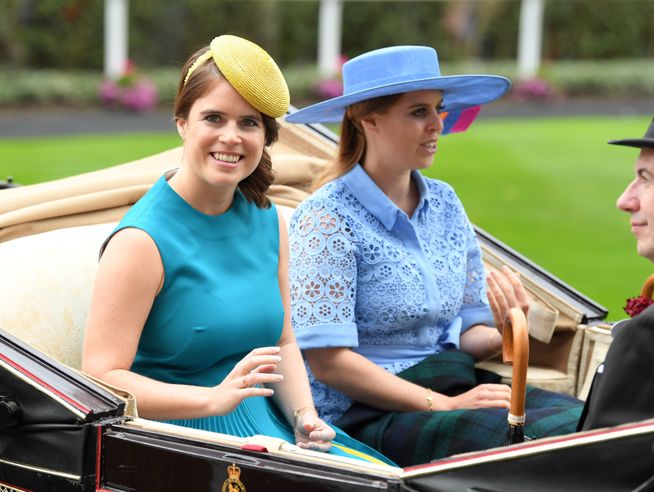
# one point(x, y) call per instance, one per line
point(648, 287)
point(515, 349)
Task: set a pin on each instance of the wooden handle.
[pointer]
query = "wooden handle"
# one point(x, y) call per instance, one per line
point(515, 349)
point(648, 287)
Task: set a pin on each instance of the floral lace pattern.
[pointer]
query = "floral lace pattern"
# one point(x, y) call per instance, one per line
point(379, 279)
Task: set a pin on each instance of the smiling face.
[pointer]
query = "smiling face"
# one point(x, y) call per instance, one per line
point(223, 139)
point(638, 200)
point(405, 136)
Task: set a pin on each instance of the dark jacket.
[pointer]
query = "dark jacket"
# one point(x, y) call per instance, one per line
point(623, 389)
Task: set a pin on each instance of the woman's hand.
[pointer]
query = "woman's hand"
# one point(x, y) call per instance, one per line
point(505, 291)
point(246, 380)
point(483, 396)
point(311, 432)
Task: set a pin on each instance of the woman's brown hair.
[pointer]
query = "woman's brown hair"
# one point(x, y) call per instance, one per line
point(352, 140)
point(199, 83)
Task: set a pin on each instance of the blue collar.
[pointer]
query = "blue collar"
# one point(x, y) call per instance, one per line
point(375, 200)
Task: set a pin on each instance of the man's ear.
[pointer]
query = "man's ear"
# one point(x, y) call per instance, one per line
point(180, 123)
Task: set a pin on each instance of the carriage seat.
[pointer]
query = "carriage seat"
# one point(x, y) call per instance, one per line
point(45, 293)
point(46, 286)
point(47, 280)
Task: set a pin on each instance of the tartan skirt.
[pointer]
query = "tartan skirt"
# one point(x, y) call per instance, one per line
point(411, 438)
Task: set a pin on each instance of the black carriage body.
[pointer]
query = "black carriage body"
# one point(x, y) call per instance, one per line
point(73, 435)
point(52, 442)
point(145, 461)
point(609, 460)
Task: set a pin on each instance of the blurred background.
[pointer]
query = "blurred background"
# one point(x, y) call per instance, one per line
point(86, 84)
point(585, 47)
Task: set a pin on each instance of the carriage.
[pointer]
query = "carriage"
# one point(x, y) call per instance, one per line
point(63, 430)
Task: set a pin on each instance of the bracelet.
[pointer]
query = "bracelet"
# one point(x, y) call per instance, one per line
point(490, 342)
point(430, 400)
point(299, 411)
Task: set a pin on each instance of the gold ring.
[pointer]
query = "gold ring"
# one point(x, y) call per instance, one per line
point(244, 385)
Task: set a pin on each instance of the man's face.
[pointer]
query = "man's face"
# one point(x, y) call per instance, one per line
point(638, 200)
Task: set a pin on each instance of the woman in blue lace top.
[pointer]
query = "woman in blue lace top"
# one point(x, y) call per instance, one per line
point(387, 283)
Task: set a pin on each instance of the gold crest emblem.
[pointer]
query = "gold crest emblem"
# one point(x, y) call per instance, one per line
point(233, 483)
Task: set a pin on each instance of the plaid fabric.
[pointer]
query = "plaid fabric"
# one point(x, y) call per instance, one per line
point(410, 438)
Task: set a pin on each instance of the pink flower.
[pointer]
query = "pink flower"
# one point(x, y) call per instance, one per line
point(533, 89)
point(328, 88)
point(131, 91)
point(129, 68)
point(109, 92)
point(636, 305)
point(140, 97)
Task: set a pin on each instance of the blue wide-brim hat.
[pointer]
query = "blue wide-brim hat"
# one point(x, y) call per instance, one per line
point(400, 69)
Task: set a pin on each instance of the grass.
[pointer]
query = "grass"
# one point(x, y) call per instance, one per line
point(34, 160)
point(546, 187)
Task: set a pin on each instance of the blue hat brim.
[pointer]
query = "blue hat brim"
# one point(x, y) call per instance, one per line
point(459, 92)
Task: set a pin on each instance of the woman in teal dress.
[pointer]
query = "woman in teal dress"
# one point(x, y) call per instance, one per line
point(190, 309)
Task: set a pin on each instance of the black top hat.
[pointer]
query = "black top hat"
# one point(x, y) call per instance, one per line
point(646, 142)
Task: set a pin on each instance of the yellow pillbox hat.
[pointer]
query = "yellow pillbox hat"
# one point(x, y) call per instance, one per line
point(251, 71)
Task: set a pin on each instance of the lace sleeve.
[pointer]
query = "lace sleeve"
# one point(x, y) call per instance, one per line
point(323, 276)
point(475, 309)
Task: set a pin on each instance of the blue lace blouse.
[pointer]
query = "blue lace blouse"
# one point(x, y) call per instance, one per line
point(393, 288)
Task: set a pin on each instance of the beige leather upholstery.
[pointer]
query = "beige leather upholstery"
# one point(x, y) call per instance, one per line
point(104, 196)
point(46, 288)
point(597, 340)
point(48, 278)
point(559, 373)
point(50, 234)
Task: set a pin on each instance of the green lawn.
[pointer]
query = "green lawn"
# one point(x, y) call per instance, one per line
point(33, 160)
point(546, 187)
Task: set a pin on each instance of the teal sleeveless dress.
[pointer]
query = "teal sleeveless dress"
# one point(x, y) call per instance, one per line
point(220, 299)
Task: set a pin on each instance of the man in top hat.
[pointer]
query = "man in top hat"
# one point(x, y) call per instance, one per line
point(623, 388)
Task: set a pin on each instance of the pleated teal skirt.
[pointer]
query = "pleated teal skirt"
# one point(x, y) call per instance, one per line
point(260, 416)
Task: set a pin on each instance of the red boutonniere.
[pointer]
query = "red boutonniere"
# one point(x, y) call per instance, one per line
point(636, 305)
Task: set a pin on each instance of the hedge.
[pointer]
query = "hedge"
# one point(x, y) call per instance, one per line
point(615, 78)
point(68, 33)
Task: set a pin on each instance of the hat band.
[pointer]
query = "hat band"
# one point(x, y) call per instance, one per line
point(365, 85)
point(200, 60)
